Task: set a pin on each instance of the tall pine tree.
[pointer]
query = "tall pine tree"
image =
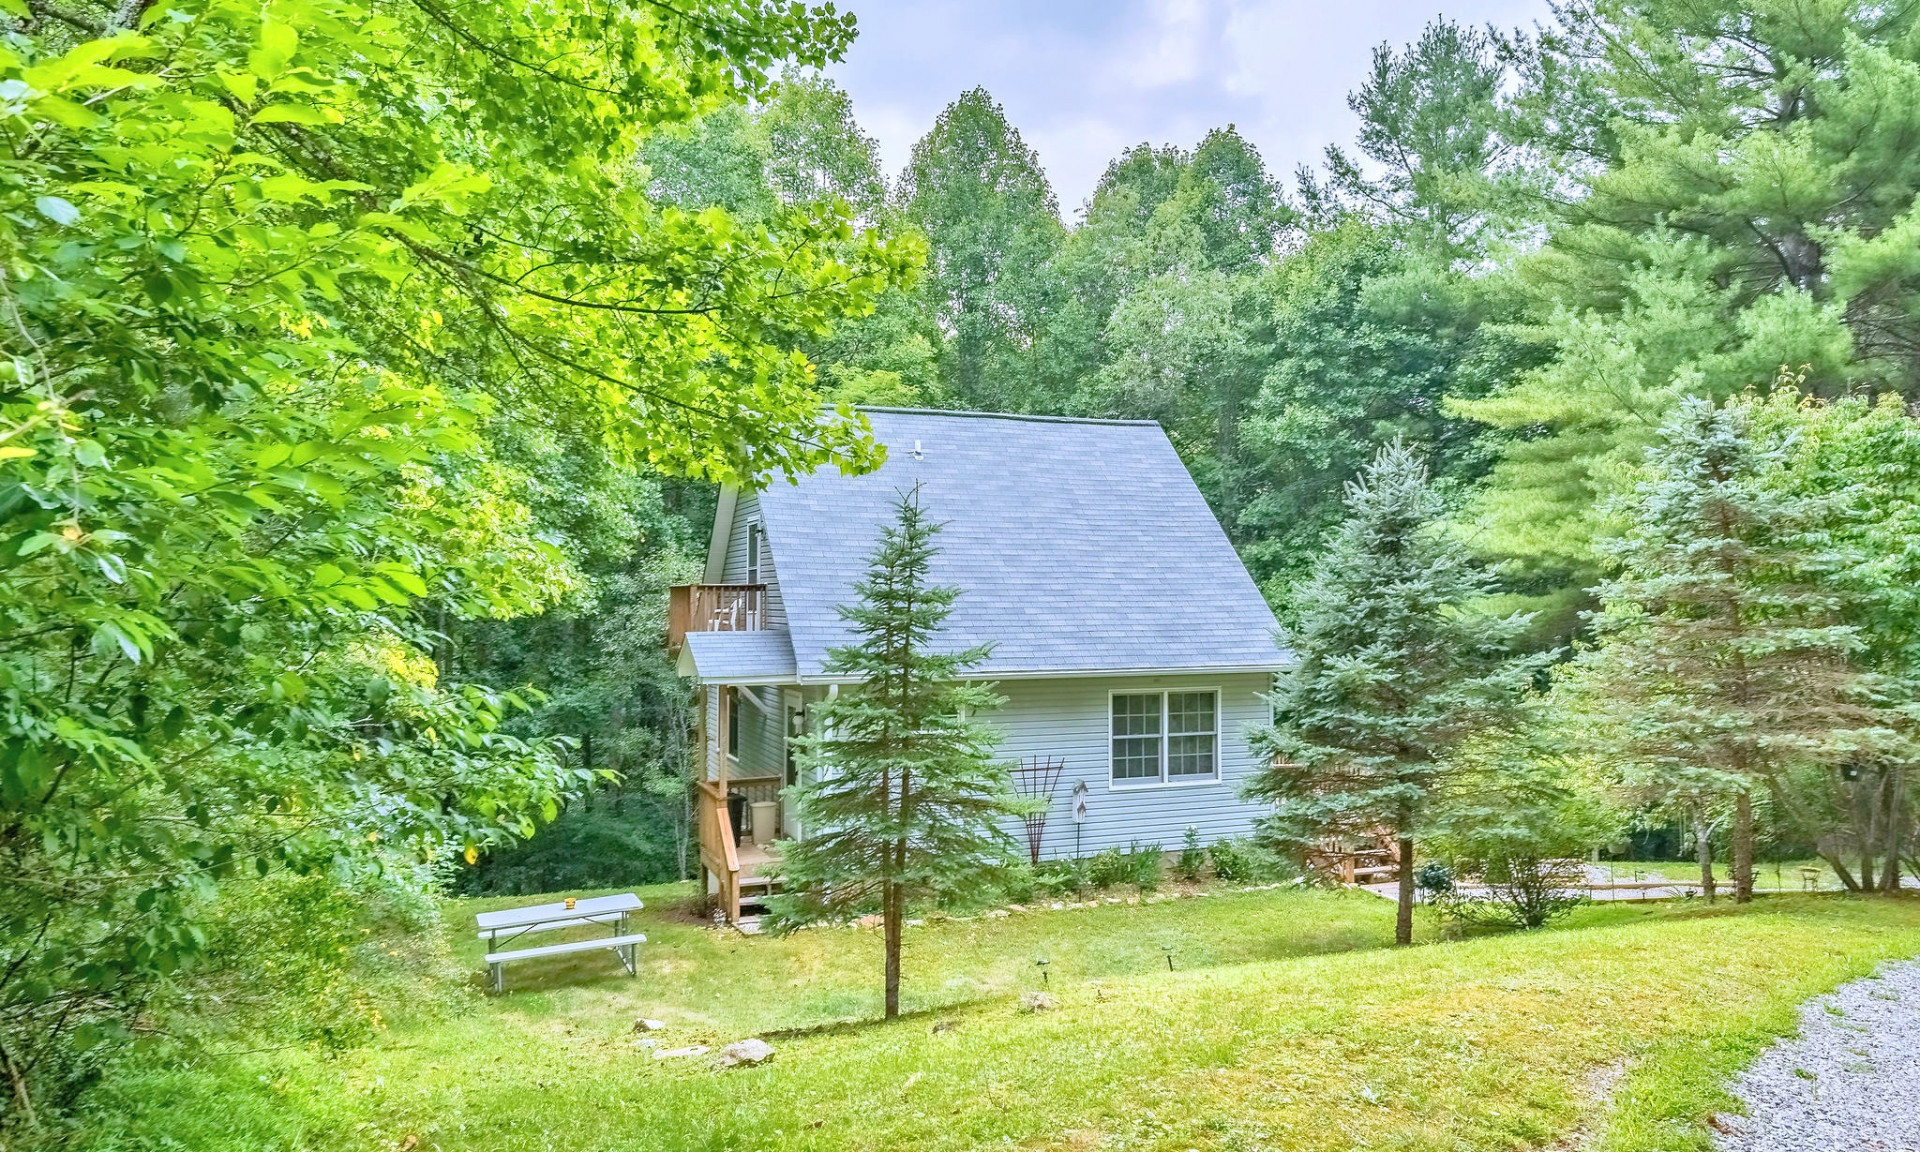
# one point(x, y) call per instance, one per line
point(900, 795)
point(1397, 668)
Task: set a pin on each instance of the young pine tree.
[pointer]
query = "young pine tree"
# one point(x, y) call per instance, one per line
point(1721, 655)
point(1396, 670)
point(900, 795)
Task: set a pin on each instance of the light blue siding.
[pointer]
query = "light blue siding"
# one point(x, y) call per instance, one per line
point(1067, 719)
point(746, 511)
point(762, 751)
point(763, 746)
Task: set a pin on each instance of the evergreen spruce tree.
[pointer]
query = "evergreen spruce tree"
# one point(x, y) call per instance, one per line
point(1721, 653)
point(900, 794)
point(1397, 668)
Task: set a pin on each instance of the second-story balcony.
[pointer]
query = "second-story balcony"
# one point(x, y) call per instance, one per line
point(714, 608)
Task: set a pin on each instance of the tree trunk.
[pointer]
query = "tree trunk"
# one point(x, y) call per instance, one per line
point(17, 1080)
point(1703, 851)
point(891, 908)
point(1743, 848)
point(1403, 922)
point(1896, 829)
point(1863, 828)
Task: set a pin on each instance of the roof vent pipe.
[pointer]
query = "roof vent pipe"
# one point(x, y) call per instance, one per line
point(918, 454)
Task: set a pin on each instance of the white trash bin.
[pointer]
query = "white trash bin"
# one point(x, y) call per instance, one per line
point(766, 821)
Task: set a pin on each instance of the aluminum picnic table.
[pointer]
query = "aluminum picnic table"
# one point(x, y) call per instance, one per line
point(510, 924)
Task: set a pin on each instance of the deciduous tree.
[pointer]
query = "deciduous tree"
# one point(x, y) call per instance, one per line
point(979, 195)
point(277, 278)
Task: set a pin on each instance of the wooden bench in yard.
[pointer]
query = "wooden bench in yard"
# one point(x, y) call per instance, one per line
point(513, 923)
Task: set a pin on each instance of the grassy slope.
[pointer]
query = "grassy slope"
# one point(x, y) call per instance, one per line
point(1275, 1034)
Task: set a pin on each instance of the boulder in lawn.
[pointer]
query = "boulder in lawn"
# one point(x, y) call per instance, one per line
point(745, 1052)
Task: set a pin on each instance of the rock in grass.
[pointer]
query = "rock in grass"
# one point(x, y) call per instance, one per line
point(674, 1053)
point(745, 1052)
point(646, 1025)
point(1037, 1002)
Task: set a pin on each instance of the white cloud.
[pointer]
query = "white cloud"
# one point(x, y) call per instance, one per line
point(1170, 46)
point(1083, 79)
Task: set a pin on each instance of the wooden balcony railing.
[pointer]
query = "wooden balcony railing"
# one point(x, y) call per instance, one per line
point(714, 608)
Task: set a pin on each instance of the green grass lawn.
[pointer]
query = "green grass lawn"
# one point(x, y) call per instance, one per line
point(1286, 1025)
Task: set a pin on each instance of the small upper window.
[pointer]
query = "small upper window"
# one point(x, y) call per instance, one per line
point(753, 552)
point(1158, 737)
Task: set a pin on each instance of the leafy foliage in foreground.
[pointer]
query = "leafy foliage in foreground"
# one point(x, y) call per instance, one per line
point(279, 281)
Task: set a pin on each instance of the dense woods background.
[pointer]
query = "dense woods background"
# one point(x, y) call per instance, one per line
point(1537, 244)
point(370, 367)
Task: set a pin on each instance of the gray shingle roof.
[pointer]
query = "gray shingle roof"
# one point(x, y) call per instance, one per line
point(739, 657)
point(1079, 546)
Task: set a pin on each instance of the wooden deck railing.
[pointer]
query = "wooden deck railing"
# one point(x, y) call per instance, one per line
point(718, 853)
point(715, 608)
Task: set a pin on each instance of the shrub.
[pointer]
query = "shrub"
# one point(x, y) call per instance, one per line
point(1231, 862)
point(1143, 866)
point(1520, 890)
point(1434, 878)
point(1192, 856)
point(1246, 862)
point(1061, 877)
point(1017, 882)
point(1108, 868)
point(1517, 831)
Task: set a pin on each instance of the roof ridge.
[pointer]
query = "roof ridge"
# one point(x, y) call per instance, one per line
point(1030, 417)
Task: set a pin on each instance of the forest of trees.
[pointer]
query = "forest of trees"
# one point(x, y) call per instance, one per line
point(355, 420)
point(1536, 247)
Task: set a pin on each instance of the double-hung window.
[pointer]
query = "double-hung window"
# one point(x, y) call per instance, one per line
point(1164, 737)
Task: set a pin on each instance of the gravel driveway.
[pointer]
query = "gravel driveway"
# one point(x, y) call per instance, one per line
point(1850, 1082)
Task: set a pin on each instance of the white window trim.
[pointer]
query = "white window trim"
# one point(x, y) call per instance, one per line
point(1142, 783)
point(756, 550)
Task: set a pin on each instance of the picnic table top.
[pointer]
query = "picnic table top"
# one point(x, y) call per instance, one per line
point(537, 913)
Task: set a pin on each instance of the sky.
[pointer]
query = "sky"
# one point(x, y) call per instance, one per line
point(1084, 79)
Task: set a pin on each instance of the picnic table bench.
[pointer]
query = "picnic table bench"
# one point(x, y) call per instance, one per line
point(513, 923)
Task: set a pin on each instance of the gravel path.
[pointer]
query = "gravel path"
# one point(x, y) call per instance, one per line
point(1849, 1083)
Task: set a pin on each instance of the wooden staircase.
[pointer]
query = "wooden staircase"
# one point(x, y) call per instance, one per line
point(743, 873)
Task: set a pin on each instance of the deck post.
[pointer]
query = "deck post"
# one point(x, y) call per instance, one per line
point(721, 729)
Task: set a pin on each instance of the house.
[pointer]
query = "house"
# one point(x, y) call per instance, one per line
point(1131, 645)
